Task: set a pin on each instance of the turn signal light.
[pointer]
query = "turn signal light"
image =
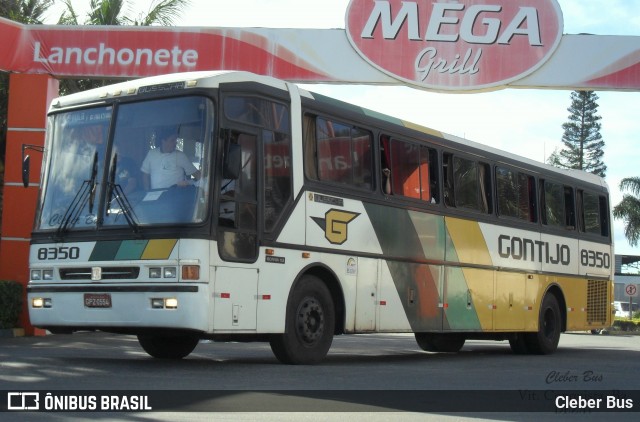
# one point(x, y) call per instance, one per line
point(190, 272)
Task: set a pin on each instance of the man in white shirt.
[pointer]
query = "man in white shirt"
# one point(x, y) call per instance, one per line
point(165, 166)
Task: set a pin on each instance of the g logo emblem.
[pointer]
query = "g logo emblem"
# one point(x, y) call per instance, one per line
point(335, 224)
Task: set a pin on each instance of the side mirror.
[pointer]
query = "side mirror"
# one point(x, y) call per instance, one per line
point(26, 161)
point(25, 171)
point(233, 162)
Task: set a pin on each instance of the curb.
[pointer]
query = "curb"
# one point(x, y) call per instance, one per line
point(11, 332)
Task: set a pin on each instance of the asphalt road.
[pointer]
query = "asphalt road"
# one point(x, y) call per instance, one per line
point(362, 373)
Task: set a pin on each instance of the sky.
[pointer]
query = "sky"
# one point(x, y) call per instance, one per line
point(527, 122)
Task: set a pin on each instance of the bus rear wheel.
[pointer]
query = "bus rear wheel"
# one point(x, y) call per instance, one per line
point(435, 342)
point(545, 340)
point(168, 347)
point(309, 325)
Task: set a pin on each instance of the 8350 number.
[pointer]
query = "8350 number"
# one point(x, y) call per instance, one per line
point(61, 252)
point(595, 259)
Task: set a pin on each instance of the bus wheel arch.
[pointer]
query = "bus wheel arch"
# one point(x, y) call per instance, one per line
point(330, 279)
point(555, 290)
point(551, 322)
point(313, 308)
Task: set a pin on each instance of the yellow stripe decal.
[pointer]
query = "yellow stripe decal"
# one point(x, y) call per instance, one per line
point(159, 249)
point(468, 241)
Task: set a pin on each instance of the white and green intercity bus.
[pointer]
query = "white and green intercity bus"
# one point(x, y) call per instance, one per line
point(296, 218)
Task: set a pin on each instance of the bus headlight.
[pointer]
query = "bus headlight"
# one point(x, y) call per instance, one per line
point(171, 303)
point(38, 275)
point(169, 272)
point(164, 303)
point(163, 272)
point(41, 302)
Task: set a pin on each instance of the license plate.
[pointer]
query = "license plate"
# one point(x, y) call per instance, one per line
point(102, 300)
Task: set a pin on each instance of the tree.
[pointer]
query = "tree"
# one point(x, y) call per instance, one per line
point(27, 12)
point(583, 145)
point(628, 209)
point(112, 12)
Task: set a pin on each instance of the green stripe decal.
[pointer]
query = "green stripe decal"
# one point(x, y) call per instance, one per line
point(105, 250)
point(414, 236)
point(395, 231)
point(131, 249)
point(460, 312)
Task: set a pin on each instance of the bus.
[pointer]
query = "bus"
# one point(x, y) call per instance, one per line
point(296, 217)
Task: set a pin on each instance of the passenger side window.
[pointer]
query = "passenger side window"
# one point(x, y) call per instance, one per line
point(409, 170)
point(516, 195)
point(558, 205)
point(338, 152)
point(467, 183)
point(465, 176)
point(594, 213)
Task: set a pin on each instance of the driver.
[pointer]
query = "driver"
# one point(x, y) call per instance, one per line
point(165, 166)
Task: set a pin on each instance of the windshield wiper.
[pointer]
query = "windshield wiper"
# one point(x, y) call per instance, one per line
point(86, 194)
point(125, 206)
point(92, 182)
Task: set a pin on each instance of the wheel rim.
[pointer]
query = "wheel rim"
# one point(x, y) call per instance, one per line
point(310, 321)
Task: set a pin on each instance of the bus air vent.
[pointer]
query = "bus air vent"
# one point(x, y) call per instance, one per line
point(597, 301)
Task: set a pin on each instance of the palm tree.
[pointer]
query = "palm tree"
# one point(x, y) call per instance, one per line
point(25, 11)
point(629, 209)
point(28, 12)
point(114, 12)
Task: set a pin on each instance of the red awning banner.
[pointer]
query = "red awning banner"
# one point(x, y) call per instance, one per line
point(298, 55)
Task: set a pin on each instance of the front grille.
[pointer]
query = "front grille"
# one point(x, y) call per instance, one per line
point(108, 273)
point(597, 301)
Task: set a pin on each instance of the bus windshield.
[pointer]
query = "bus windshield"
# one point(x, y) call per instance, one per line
point(132, 164)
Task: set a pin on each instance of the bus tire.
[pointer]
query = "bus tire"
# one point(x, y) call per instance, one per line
point(309, 324)
point(545, 340)
point(434, 342)
point(168, 347)
point(518, 344)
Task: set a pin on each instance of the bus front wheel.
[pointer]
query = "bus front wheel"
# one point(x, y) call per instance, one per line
point(545, 340)
point(168, 347)
point(309, 324)
point(447, 343)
